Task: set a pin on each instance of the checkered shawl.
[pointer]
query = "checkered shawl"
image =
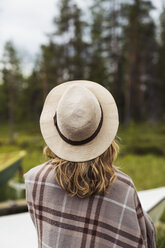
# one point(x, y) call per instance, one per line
point(114, 219)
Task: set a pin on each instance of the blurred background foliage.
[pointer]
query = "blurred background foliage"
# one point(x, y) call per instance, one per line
point(115, 43)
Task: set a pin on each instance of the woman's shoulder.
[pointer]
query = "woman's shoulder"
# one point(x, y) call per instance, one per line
point(124, 178)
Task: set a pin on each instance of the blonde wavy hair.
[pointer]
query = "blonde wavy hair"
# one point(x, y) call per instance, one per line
point(85, 178)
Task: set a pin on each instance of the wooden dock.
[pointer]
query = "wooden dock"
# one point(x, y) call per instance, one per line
point(13, 207)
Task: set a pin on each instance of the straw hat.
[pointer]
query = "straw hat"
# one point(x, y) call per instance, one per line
point(79, 120)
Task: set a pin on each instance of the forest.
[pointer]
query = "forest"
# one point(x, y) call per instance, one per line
point(115, 43)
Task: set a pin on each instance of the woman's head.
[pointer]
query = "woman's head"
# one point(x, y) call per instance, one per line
point(79, 120)
point(85, 178)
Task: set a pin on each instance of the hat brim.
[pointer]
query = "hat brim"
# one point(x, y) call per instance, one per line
point(95, 147)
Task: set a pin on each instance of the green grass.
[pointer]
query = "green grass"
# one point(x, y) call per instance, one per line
point(147, 171)
point(142, 139)
point(160, 231)
point(142, 150)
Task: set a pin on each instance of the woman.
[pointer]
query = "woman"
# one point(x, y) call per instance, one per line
point(78, 198)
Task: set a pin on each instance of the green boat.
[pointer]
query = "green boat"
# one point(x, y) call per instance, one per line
point(9, 164)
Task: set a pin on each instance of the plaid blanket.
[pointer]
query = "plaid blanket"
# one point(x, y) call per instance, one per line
point(114, 219)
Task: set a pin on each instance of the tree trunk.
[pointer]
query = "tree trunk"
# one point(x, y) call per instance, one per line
point(45, 84)
point(11, 109)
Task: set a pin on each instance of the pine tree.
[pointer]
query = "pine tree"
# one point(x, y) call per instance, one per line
point(62, 36)
point(150, 82)
point(161, 69)
point(78, 45)
point(13, 84)
point(136, 39)
point(98, 64)
point(113, 46)
point(64, 57)
point(51, 65)
point(105, 50)
point(33, 95)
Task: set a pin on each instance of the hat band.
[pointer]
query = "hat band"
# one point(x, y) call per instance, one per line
point(81, 142)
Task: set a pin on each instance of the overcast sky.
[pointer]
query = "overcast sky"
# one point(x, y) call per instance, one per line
point(26, 22)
